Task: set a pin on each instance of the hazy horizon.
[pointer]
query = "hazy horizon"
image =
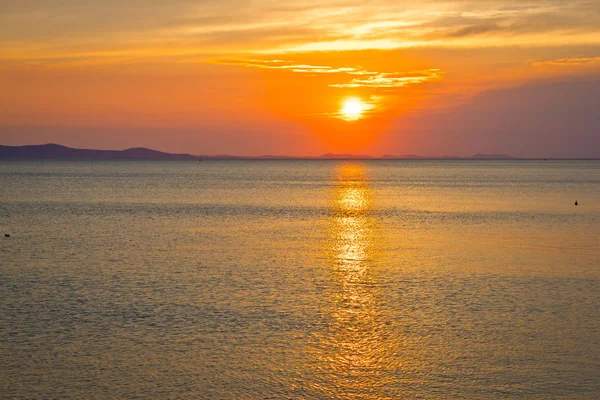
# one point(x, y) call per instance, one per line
point(313, 156)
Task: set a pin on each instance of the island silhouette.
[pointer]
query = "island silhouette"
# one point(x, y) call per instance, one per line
point(53, 151)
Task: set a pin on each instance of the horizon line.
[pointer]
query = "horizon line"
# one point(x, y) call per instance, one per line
point(325, 156)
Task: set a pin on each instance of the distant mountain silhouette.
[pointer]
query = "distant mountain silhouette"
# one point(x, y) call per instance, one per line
point(402, 156)
point(59, 152)
point(477, 156)
point(56, 151)
point(490, 156)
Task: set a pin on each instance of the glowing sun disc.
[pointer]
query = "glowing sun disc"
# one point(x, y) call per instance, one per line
point(352, 109)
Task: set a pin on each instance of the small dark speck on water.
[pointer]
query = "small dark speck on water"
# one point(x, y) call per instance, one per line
point(576, 203)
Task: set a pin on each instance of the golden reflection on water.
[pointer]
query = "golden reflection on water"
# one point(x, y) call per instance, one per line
point(358, 357)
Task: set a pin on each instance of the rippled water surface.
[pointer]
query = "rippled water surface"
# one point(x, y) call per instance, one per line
point(300, 279)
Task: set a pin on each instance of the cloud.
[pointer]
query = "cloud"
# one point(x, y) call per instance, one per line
point(237, 26)
point(567, 62)
point(369, 79)
point(294, 67)
point(472, 30)
point(392, 80)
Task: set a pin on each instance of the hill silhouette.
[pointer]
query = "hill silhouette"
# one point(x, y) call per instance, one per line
point(53, 151)
point(58, 152)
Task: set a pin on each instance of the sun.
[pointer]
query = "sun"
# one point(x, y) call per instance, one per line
point(352, 109)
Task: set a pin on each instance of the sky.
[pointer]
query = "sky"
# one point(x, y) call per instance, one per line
point(303, 77)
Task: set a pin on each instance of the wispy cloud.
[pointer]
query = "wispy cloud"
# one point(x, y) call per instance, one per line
point(567, 62)
point(243, 27)
point(294, 67)
point(392, 80)
point(368, 79)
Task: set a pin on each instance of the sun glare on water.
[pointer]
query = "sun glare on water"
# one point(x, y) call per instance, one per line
point(352, 109)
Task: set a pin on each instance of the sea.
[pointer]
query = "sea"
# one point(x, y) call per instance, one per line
point(300, 279)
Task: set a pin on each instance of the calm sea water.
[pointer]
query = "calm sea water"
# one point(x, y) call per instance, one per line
point(300, 279)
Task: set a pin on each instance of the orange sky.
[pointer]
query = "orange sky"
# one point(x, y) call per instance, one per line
point(264, 77)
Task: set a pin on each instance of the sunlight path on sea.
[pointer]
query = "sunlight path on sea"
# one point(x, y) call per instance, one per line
point(357, 354)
